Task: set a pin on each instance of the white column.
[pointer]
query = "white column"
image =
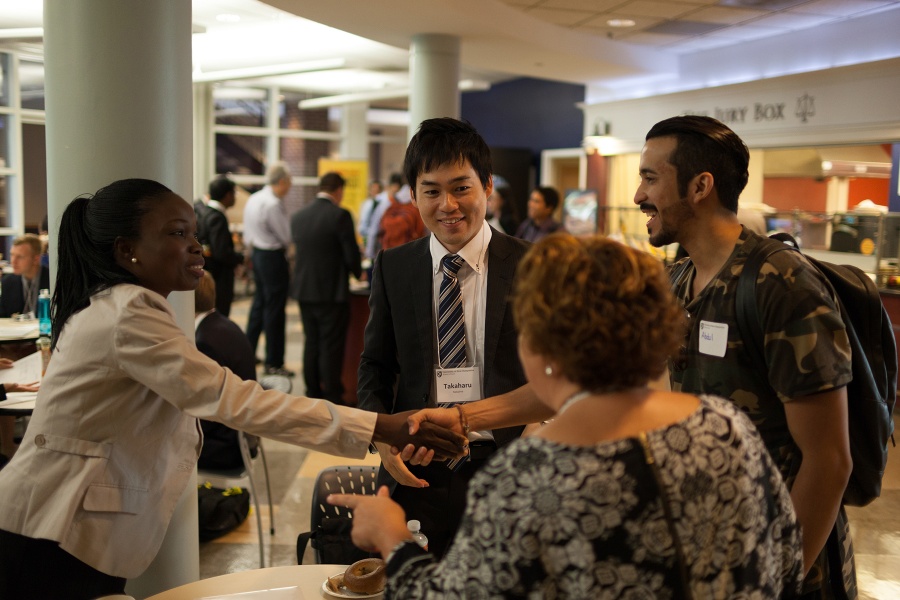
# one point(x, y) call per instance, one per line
point(204, 142)
point(354, 131)
point(837, 194)
point(434, 78)
point(118, 86)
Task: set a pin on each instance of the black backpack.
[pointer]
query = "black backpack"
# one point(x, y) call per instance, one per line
point(872, 393)
point(220, 511)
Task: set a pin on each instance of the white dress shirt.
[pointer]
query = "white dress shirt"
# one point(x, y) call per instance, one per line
point(266, 222)
point(473, 283)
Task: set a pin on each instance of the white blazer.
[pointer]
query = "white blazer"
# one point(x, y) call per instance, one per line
point(114, 437)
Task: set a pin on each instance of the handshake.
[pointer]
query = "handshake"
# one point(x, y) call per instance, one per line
point(420, 437)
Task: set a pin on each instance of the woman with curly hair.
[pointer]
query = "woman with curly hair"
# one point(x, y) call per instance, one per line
point(628, 492)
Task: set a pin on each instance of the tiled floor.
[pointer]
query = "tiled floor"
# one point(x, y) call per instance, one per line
point(876, 528)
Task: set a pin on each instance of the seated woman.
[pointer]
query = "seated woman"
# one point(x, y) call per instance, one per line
point(628, 492)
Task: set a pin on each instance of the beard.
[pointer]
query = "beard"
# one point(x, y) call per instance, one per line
point(670, 223)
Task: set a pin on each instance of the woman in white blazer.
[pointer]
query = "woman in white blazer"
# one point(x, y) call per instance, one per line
point(114, 437)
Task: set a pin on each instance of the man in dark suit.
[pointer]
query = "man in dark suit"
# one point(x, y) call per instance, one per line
point(403, 365)
point(222, 340)
point(20, 289)
point(326, 254)
point(215, 236)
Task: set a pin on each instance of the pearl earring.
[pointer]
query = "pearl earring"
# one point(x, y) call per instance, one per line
point(548, 370)
point(134, 260)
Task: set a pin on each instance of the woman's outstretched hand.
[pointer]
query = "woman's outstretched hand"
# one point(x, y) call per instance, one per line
point(379, 524)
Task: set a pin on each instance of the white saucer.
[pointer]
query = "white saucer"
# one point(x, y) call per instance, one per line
point(345, 593)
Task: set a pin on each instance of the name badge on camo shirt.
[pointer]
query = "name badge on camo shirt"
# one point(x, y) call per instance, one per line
point(713, 338)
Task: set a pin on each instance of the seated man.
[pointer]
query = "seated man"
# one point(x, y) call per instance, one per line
point(20, 289)
point(222, 340)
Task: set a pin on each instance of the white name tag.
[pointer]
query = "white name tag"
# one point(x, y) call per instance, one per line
point(713, 338)
point(457, 385)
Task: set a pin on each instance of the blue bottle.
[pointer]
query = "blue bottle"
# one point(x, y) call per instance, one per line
point(43, 312)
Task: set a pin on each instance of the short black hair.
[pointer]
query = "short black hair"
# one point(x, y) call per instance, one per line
point(396, 179)
point(220, 187)
point(551, 196)
point(445, 141)
point(331, 182)
point(705, 144)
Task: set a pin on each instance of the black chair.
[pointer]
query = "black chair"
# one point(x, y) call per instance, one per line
point(330, 525)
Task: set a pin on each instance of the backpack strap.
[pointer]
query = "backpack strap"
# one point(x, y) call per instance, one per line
point(746, 310)
point(677, 272)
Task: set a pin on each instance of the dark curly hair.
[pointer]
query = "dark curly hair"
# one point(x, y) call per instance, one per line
point(603, 312)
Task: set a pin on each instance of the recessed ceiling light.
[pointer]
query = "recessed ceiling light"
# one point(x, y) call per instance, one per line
point(228, 18)
point(621, 23)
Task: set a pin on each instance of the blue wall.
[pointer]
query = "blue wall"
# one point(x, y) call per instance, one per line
point(527, 113)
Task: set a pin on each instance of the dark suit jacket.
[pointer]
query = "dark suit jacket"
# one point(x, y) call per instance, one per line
point(12, 299)
point(222, 340)
point(215, 234)
point(326, 252)
point(397, 364)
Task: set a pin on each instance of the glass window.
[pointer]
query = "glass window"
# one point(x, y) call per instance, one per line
point(302, 156)
point(5, 121)
point(31, 82)
point(291, 116)
point(246, 107)
point(4, 79)
point(4, 201)
point(240, 154)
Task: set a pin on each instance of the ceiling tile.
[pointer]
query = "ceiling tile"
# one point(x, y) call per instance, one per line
point(640, 23)
point(655, 8)
point(685, 27)
point(595, 6)
point(559, 16)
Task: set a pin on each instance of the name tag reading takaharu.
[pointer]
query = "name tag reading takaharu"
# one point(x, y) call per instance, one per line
point(457, 385)
point(713, 338)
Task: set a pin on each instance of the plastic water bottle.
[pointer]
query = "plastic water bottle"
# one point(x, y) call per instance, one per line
point(414, 528)
point(43, 312)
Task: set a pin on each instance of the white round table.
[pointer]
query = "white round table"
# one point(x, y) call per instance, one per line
point(274, 583)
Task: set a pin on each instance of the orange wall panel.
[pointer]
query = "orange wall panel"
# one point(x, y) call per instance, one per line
point(875, 190)
point(788, 193)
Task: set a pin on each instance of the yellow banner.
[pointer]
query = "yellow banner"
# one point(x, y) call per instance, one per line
point(356, 172)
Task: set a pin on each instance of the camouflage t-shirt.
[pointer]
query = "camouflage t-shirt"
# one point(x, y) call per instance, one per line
point(806, 352)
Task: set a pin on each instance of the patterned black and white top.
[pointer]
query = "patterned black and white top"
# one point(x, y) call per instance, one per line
point(695, 509)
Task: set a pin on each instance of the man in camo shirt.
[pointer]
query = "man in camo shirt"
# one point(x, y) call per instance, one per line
point(692, 171)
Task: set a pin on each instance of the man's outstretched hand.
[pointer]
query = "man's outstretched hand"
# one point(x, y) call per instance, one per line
point(394, 430)
point(445, 417)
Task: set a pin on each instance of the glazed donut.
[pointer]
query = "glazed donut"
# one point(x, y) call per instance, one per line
point(365, 576)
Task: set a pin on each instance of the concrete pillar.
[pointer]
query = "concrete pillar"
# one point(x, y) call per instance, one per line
point(354, 131)
point(204, 142)
point(118, 85)
point(434, 78)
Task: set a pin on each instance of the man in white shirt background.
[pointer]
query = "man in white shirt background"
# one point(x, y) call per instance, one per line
point(267, 235)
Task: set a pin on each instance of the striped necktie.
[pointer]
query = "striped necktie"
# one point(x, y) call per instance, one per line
point(451, 324)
